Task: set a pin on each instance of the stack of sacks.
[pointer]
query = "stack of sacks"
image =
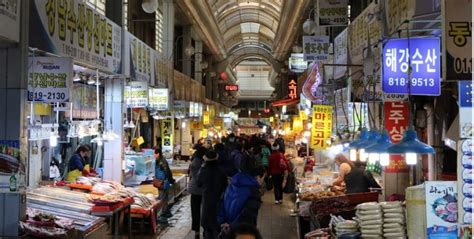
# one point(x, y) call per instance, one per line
point(394, 220)
point(344, 227)
point(370, 219)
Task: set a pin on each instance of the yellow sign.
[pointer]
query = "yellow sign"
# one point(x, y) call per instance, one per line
point(206, 118)
point(196, 125)
point(167, 128)
point(42, 108)
point(303, 115)
point(219, 123)
point(297, 124)
point(272, 119)
point(322, 126)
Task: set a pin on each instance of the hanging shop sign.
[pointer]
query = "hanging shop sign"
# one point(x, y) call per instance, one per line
point(316, 48)
point(441, 209)
point(49, 79)
point(340, 54)
point(206, 118)
point(139, 59)
point(84, 99)
point(457, 40)
point(43, 131)
point(158, 99)
point(296, 63)
point(219, 123)
point(396, 12)
point(74, 29)
point(333, 12)
point(136, 94)
point(321, 126)
point(229, 87)
point(465, 109)
point(167, 128)
point(297, 124)
point(465, 176)
point(10, 20)
point(163, 71)
point(396, 122)
point(292, 88)
point(192, 109)
point(196, 125)
point(426, 66)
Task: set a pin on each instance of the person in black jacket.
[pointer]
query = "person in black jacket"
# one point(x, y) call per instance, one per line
point(213, 181)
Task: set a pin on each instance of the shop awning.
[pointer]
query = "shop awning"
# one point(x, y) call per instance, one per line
point(285, 102)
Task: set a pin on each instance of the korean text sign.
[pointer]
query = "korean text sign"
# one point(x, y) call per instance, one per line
point(136, 94)
point(49, 79)
point(167, 128)
point(457, 44)
point(321, 126)
point(316, 48)
point(441, 209)
point(158, 98)
point(292, 88)
point(333, 12)
point(140, 59)
point(396, 122)
point(74, 29)
point(424, 54)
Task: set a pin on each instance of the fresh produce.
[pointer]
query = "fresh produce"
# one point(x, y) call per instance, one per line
point(311, 196)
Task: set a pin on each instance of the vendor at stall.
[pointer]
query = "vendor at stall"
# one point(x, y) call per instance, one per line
point(79, 164)
point(354, 176)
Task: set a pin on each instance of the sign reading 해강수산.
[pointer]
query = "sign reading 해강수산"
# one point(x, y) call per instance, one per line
point(424, 54)
point(49, 79)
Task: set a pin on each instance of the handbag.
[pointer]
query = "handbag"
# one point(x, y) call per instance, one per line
point(268, 183)
point(290, 186)
point(158, 183)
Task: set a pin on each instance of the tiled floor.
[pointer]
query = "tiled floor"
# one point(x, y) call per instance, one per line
point(274, 221)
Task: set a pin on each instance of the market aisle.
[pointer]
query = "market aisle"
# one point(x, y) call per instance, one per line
point(274, 221)
point(180, 224)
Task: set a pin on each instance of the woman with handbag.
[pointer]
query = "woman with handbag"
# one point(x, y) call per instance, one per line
point(163, 180)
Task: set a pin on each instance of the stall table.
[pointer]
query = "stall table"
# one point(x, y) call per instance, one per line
point(116, 215)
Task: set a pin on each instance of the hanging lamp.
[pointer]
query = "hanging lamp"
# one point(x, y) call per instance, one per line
point(364, 135)
point(378, 151)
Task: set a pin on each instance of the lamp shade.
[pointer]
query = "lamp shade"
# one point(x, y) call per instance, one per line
point(410, 144)
point(364, 135)
point(382, 144)
point(374, 137)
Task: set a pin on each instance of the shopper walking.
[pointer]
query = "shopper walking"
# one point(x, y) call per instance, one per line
point(163, 180)
point(225, 163)
point(212, 181)
point(281, 143)
point(196, 193)
point(278, 170)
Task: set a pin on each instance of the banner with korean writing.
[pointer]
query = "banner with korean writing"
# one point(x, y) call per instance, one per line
point(136, 94)
point(333, 12)
point(465, 177)
point(219, 123)
point(10, 20)
point(396, 122)
point(340, 54)
point(457, 39)
point(196, 125)
point(441, 209)
point(292, 88)
point(316, 48)
point(424, 54)
point(158, 98)
point(84, 100)
point(139, 59)
point(49, 79)
point(465, 108)
point(321, 126)
point(206, 120)
point(75, 29)
point(167, 129)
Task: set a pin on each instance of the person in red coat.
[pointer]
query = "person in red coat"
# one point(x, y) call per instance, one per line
point(278, 170)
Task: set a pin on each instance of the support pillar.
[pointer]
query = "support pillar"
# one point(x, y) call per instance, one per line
point(185, 57)
point(197, 61)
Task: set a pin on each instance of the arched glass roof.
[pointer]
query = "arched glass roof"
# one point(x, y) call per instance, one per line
point(247, 23)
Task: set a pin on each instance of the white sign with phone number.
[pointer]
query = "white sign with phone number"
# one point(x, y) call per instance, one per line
point(49, 79)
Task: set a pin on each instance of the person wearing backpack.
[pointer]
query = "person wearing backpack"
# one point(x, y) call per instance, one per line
point(278, 170)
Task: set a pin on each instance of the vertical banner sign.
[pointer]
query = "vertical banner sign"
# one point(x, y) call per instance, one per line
point(316, 48)
point(441, 209)
point(140, 59)
point(136, 94)
point(333, 12)
point(74, 29)
point(206, 118)
point(10, 20)
point(292, 89)
point(322, 126)
point(457, 39)
point(167, 128)
point(158, 99)
point(426, 66)
point(340, 54)
point(219, 123)
point(465, 109)
point(396, 122)
point(84, 100)
point(465, 177)
point(49, 79)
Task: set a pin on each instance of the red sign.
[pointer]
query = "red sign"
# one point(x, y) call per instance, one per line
point(292, 88)
point(396, 122)
point(231, 87)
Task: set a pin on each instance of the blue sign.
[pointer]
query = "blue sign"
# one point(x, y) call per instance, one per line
point(465, 93)
point(425, 62)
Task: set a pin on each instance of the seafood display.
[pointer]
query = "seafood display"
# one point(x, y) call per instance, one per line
point(41, 224)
